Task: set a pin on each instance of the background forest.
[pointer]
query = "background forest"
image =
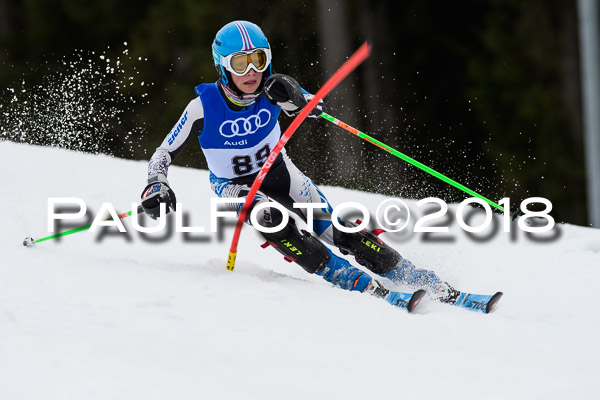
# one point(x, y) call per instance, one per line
point(486, 92)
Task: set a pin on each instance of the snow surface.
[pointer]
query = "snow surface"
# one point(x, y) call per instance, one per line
point(118, 317)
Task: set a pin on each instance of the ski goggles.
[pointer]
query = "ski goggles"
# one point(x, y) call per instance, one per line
point(240, 63)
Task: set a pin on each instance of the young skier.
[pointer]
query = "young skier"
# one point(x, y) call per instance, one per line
point(236, 121)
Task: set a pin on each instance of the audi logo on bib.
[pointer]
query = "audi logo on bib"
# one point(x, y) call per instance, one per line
point(245, 126)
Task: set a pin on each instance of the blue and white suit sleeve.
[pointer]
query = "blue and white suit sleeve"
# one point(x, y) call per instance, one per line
point(187, 128)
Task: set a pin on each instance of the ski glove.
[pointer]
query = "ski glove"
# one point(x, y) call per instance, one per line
point(157, 191)
point(284, 91)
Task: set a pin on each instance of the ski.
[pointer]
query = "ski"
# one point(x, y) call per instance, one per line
point(478, 302)
point(406, 301)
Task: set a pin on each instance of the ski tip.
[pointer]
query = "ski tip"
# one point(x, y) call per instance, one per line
point(415, 299)
point(493, 301)
point(28, 242)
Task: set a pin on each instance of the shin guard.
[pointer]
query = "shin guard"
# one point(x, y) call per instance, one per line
point(367, 248)
point(296, 245)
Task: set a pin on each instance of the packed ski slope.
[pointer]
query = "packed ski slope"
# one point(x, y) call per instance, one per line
point(115, 316)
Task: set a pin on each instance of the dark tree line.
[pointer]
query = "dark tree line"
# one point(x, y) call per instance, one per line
point(486, 92)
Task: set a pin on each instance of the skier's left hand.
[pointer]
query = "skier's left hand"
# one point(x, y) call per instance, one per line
point(285, 92)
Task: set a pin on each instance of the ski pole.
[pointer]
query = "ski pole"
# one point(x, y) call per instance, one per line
point(408, 159)
point(354, 61)
point(29, 241)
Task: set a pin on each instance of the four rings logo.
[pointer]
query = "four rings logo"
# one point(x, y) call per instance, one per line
point(245, 126)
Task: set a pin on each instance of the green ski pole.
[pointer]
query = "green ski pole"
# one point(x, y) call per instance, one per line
point(408, 159)
point(29, 241)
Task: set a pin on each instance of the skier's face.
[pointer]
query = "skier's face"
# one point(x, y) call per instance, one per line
point(247, 83)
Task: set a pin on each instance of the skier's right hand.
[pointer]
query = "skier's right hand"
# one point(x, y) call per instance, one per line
point(157, 191)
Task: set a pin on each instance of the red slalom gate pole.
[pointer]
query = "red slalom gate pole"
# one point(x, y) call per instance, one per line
point(350, 65)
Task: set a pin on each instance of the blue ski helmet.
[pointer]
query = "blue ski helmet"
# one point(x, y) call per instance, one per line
point(238, 47)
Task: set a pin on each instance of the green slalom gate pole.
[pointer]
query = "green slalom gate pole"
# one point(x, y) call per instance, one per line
point(408, 159)
point(29, 241)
